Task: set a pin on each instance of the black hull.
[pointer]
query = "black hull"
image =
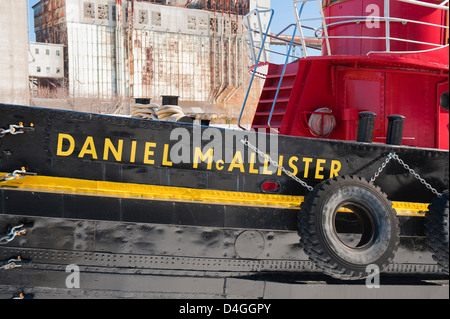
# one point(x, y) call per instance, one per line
point(118, 172)
point(136, 260)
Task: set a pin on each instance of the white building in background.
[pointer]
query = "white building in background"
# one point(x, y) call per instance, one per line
point(140, 49)
point(262, 5)
point(46, 60)
point(260, 23)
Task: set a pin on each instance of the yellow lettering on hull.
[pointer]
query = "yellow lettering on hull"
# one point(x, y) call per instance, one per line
point(151, 153)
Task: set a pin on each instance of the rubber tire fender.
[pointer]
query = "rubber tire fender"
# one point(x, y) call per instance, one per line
point(319, 237)
point(436, 228)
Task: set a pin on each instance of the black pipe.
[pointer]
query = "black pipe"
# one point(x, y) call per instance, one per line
point(142, 100)
point(395, 129)
point(365, 127)
point(169, 100)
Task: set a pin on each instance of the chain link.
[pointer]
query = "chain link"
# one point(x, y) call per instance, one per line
point(381, 168)
point(18, 173)
point(14, 175)
point(277, 165)
point(15, 231)
point(11, 264)
point(409, 169)
point(13, 130)
point(389, 157)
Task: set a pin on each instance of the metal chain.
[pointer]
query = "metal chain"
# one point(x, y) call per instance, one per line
point(381, 168)
point(275, 163)
point(417, 176)
point(13, 129)
point(15, 231)
point(18, 173)
point(14, 175)
point(11, 264)
point(409, 169)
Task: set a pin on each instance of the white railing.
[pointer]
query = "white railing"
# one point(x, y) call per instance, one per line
point(322, 32)
point(256, 35)
point(260, 55)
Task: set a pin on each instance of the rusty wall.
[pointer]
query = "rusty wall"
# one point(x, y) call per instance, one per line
point(49, 19)
point(239, 7)
point(171, 64)
point(197, 66)
point(137, 49)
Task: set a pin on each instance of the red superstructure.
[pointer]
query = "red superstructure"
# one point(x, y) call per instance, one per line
point(386, 57)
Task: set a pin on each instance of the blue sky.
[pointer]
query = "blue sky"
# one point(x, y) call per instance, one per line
point(32, 36)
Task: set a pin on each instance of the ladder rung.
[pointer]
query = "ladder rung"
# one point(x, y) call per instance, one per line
point(274, 88)
point(265, 126)
point(275, 113)
point(286, 75)
point(284, 100)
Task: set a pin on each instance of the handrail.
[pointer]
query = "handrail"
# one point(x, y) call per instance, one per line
point(425, 4)
point(358, 19)
point(262, 49)
point(282, 73)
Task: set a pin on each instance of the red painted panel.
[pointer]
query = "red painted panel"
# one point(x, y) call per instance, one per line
point(413, 96)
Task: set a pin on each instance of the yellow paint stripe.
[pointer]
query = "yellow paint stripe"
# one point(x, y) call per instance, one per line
point(165, 193)
point(410, 209)
point(152, 192)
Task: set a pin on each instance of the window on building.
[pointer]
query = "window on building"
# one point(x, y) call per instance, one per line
point(47, 52)
point(192, 22)
point(89, 11)
point(58, 70)
point(36, 51)
point(102, 11)
point(58, 53)
point(156, 18)
point(143, 17)
point(113, 12)
point(47, 69)
point(38, 69)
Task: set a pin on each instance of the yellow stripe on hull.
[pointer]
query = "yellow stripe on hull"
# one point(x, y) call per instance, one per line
point(179, 194)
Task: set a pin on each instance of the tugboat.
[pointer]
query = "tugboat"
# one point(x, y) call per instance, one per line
point(349, 174)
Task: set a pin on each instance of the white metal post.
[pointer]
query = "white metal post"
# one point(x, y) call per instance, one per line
point(387, 4)
point(325, 28)
point(300, 29)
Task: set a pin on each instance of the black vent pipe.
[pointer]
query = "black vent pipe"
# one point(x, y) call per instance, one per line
point(395, 129)
point(365, 127)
